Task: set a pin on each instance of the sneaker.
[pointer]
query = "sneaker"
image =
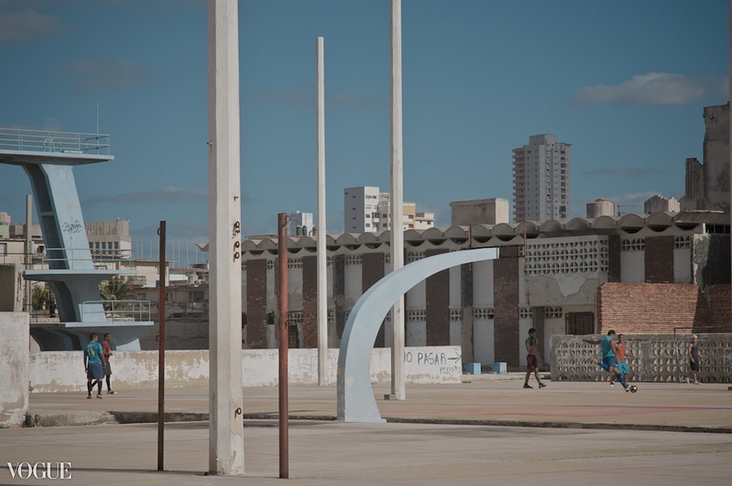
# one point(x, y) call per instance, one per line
point(111, 392)
point(697, 383)
point(526, 385)
point(595, 361)
point(541, 385)
point(88, 397)
point(627, 390)
point(612, 384)
point(99, 396)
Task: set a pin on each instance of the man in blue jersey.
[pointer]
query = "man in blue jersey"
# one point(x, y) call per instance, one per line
point(93, 365)
point(609, 361)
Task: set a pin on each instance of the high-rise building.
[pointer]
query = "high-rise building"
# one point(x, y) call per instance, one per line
point(541, 179)
point(360, 209)
point(301, 224)
point(366, 210)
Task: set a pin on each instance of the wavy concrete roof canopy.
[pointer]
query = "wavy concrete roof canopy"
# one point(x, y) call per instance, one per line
point(504, 232)
point(532, 230)
point(481, 233)
point(631, 223)
point(659, 221)
point(457, 234)
point(605, 224)
point(552, 227)
point(433, 235)
point(578, 226)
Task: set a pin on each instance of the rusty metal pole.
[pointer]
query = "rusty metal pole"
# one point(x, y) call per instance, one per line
point(283, 345)
point(161, 348)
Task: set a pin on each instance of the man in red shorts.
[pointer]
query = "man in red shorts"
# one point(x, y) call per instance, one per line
point(532, 364)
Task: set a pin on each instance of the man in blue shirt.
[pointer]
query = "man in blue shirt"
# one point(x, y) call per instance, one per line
point(93, 365)
point(609, 361)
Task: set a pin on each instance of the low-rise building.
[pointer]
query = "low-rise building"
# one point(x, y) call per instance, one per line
point(574, 277)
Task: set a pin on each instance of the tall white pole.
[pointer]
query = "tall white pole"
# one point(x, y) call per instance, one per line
point(397, 200)
point(322, 256)
point(226, 427)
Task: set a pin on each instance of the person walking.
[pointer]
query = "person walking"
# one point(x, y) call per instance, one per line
point(106, 354)
point(532, 364)
point(93, 365)
point(609, 360)
point(695, 359)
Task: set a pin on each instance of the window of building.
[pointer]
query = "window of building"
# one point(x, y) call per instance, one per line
point(579, 323)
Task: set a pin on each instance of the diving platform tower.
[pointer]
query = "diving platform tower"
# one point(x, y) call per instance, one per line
point(49, 159)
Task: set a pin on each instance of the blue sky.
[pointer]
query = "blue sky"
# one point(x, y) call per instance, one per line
point(624, 82)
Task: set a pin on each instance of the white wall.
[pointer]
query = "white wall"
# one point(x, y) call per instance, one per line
point(682, 266)
point(63, 371)
point(14, 345)
point(633, 266)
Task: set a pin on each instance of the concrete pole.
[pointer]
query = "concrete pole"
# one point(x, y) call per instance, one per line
point(28, 251)
point(322, 256)
point(226, 426)
point(397, 200)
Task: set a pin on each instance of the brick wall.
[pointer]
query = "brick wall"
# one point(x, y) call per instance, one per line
point(438, 305)
point(659, 259)
point(506, 302)
point(257, 304)
point(309, 301)
point(646, 308)
point(721, 308)
point(372, 270)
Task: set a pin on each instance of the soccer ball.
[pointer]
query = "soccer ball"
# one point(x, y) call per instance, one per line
point(633, 388)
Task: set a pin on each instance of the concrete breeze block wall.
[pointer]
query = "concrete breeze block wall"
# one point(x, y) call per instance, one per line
point(658, 358)
point(63, 371)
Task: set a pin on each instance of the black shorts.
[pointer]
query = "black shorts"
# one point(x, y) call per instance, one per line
point(95, 371)
point(531, 362)
point(694, 365)
point(107, 368)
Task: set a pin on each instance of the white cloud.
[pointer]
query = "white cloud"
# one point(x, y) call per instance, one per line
point(102, 72)
point(165, 195)
point(656, 89)
point(25, 25)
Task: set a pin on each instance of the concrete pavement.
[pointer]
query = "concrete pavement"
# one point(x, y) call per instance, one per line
point(572, 433)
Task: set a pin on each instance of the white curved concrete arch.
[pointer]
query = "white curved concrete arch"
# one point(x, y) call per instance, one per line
point(356, 401)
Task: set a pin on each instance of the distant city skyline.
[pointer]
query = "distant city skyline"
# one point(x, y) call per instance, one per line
point(625, 84)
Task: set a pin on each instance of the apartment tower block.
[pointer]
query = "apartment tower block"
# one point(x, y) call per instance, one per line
point(541, 179)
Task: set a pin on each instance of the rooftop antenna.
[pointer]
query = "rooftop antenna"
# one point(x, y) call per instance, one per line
point(97, 121)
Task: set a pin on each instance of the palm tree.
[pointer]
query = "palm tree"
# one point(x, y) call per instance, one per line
point(116, 288)
point(41, 297)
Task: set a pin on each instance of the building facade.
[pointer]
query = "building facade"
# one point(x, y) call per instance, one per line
point(301, 224)
point(659, 203)
point(367, 210)
point(572, 277)
point(479, 211)
point(541, 179)
point(109, 238)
